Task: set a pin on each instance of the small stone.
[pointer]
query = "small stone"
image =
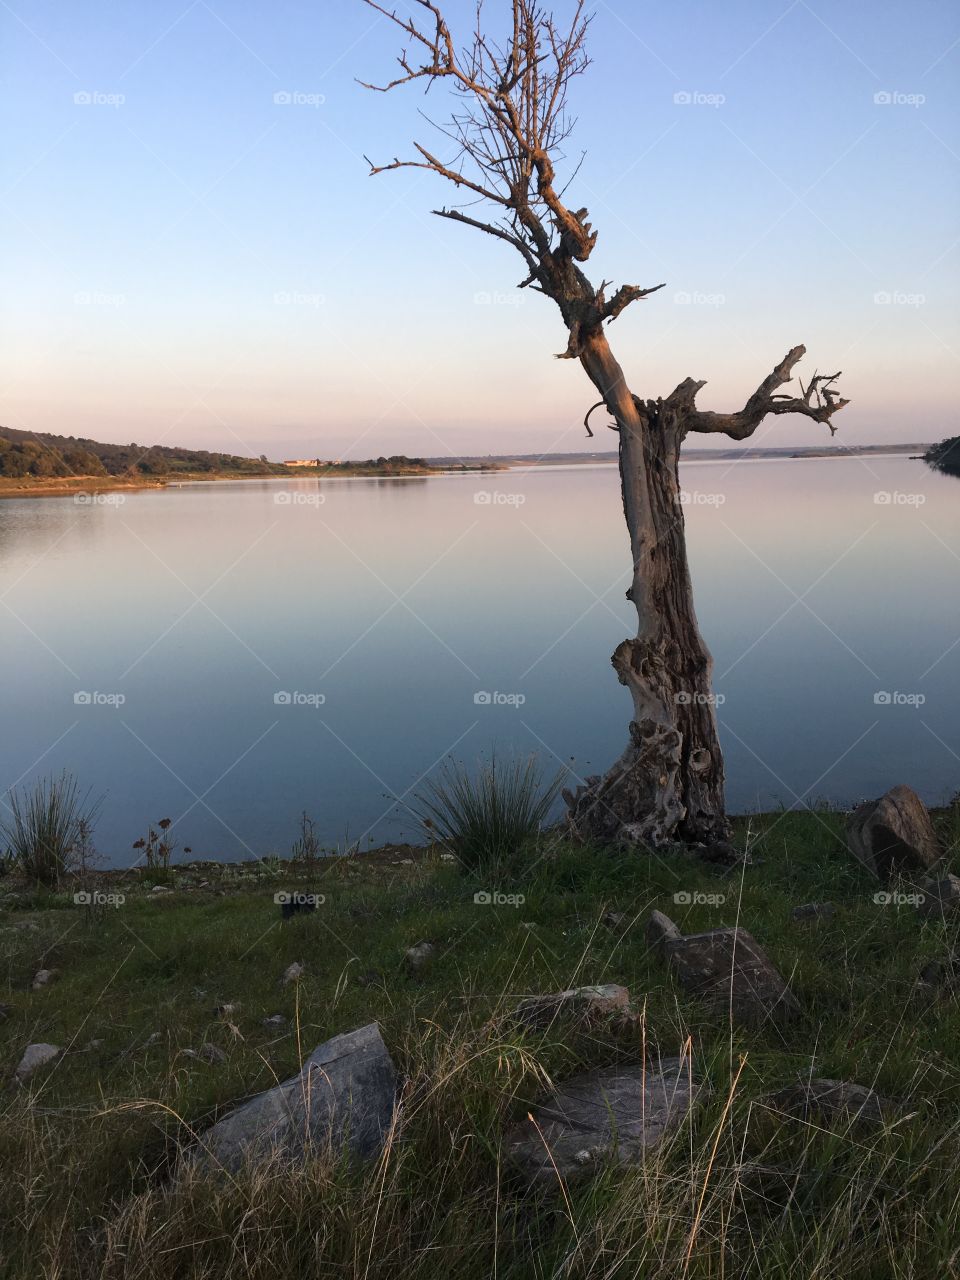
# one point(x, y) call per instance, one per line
point(830, 1099)
point(293, 973)
point(407, 862)
point(814, 911)
point(448, 857)
point(661, 930)
point(225, 1010)
point(615, 920)
point(527, 924)
point(585, 1002)
point(418, 958)
point(212, 1053)
point(940, 897)
point(275, 1022)
point(43, 978)
point(34, 1056)
point(93, 1045)
point(161, 888)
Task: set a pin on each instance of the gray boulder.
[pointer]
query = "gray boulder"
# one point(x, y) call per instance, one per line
point(342, 1099)
point(582, 1002)
point(893, 834)
point(661, 930)
point(830, 1100)
point(34, 1056)
point(941, 896)
point(599, 1117)
point(729, 968)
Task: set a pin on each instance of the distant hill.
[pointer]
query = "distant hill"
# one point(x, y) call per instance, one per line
point(945, 456)
point(37, 454)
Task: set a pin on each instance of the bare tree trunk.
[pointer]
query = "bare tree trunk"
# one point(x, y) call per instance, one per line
point(668, 784)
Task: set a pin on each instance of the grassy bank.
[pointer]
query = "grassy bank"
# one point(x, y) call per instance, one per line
point(87, 1146)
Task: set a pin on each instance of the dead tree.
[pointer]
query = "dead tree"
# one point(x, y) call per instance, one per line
point(507, 130)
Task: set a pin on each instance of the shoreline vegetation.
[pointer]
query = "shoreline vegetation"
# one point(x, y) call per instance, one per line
point(42, 465)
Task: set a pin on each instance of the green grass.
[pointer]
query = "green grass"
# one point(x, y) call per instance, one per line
point(86, 1149)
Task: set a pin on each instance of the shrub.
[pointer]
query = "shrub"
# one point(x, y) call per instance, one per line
point(48, 826)
point(486, 820)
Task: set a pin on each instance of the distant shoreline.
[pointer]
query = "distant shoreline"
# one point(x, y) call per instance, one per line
point(60, 487)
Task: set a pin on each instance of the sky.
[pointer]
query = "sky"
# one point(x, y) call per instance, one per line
point(195, 253)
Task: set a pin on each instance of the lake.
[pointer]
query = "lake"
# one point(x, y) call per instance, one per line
point(232, 654)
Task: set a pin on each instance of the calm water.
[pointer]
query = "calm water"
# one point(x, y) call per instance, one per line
point(281, 646)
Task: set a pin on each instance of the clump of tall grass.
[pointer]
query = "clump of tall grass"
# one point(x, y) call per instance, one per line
point(50, 828)
point(485, 820)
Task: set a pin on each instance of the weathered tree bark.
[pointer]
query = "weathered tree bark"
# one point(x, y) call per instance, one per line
point(668, 784)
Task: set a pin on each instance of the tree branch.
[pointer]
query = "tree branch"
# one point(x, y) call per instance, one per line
point(819, 400)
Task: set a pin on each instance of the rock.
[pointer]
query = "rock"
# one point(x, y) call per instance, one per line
point(831, 1099)
point(43, 978)
point(212, 1053)
point(448, 857)
point(940, 896)
point(661, 930)
point(417, 958)
point(721, 851)
point(615, 920)
point(92, 1045)
point(161, 888)
point(225, 1010)
point(617, 1114)
point(275, 1022)
point(582, 1002)
point(293, 973)
point(34, 1056)
point(893, 834)
point(814, 911)
point(407, 862)
point(728, 967)
point(343, 1098)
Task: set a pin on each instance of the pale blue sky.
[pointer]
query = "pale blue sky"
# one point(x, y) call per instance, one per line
point(152, 234)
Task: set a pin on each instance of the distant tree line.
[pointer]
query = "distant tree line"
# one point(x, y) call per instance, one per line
point(945, 456)
point(25, 453)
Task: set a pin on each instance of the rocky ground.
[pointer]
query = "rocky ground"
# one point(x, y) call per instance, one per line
point(602, 1064)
